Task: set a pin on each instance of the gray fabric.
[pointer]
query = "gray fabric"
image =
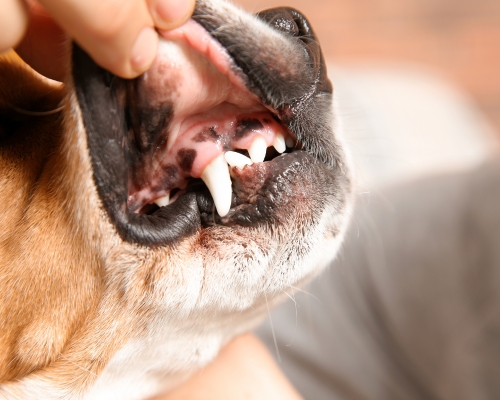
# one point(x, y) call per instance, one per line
point(411, 309)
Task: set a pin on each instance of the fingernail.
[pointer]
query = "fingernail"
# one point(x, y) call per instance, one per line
point(144, 49)
point(172, 13)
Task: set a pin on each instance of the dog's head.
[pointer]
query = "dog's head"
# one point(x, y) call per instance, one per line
point(194, 194)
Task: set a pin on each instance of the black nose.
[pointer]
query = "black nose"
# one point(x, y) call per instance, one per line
point(293, 23)
point(289, 21)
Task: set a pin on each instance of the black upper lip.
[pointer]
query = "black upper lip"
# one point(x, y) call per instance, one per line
point(106, 125)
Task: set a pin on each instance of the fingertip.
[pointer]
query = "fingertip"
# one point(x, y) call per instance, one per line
point(144, 51)
point(139, 59)
point(44, 46)
point(14, 17)
point(170, 14)
point(118, 35)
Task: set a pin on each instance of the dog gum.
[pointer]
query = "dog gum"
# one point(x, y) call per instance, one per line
point(201, 143)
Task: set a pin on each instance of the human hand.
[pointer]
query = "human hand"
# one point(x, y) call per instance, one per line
point(244, 370)
point(118, 34)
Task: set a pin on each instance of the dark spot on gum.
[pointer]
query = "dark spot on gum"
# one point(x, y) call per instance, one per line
point(207, 135)
point(247, 126)
point(170, 176)
point(185, 158)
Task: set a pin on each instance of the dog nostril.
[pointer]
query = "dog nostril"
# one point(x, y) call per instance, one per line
point(287, 20)
point(280, 19)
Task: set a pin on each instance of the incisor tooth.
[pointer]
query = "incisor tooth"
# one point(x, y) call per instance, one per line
point(279, 143)
point(258, 149)
point(163, 201)
point(216, 177)
point(289, 142)
point(238, 160)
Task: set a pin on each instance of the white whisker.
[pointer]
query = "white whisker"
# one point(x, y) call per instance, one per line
point(272, 330)
point(296, 316)
point(305, 292)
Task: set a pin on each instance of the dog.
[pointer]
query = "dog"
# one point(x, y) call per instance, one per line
point(148, 222)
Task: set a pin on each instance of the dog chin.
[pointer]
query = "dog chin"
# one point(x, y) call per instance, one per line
point(203, 190)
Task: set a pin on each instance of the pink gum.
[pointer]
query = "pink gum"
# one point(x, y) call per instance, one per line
point(200, 40)
point(208, 150)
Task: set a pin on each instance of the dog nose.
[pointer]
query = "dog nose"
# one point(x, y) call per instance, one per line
point(287, 20)
point(294, 24)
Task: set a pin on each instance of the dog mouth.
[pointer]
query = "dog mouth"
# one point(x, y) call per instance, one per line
point(224, 128)
point(198, 121)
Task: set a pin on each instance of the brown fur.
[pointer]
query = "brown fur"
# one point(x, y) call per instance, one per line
point(46, 295)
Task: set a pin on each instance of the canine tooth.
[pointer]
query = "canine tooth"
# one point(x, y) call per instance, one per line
point(238, 160)
point(279, 143)
point(163, 201)
point(289, 142)
point(258, 149)
point(216, 177)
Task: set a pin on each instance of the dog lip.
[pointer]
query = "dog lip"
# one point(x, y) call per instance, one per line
point(104, 121)
point(265, 193)
point(198, 38)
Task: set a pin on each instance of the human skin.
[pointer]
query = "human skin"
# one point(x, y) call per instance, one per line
point(119, 35)
point(244, 370)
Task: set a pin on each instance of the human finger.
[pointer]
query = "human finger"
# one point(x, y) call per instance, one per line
point(14, 21)
point(119, 35)
point(170, 14)
point(43, 46)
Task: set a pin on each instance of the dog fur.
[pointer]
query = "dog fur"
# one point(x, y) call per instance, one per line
point(88, 312)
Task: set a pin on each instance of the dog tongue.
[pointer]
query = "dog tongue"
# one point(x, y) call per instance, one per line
point(211, 112)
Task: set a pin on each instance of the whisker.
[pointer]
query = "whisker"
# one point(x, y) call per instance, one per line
point(291, 298)
point(36, 113)
point(272, 330)
point(296, 317)
point(306, 292)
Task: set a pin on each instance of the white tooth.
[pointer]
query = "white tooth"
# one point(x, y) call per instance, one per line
point(216, 177)
point(289, 142)
point(258, 149)
point(163, 201)
point(279, 143)
point(238, 160)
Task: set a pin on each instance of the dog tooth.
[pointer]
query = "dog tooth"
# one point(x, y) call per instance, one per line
point(289, 142)
point(279, 143)
point(238, 160)
point(258, 149)
point(216, 177)
point(163, 201)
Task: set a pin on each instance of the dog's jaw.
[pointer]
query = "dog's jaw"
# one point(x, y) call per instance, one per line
point(186, 294)
point(230, 270)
